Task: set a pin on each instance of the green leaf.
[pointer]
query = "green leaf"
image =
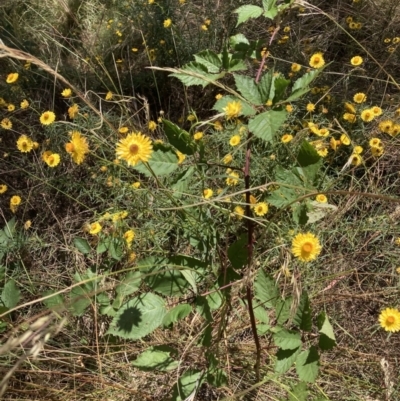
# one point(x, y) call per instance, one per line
point(203, 308)
point(182, 182)
point(176, 314)
point(226, 57)
point(265, 289)
point(138, 317)
point(261, 314)
point(248, 88)
point(129, 284)
point(299, 392)
point(319, 211)
point(307, 365)
point(103, 245)
point(297, 94)
point(302, 317)
point(162, 163)
point(217, 378)
point(263, 329)
point(220, 104)
point(272, 11)
point(179, 138)
point(327, 340)
point(287, 339)
point(304, 81)
point(238, 39)
point(282, 309)
point(82, 245)
point(264, 86)
point(116, 249)
point(285, 359)
point(237, 65)
point(80, 300)
point(237, 252)
point(9, 229)
point(266, 124)
point(157, 358)
point(307, 155)
point(280, 85)
point(215, 299)
point(10, 294)
point(52, 302)
point(195, 73)
point(247, 12)
point(187, 384)
point(299, 213)
point(210, 60)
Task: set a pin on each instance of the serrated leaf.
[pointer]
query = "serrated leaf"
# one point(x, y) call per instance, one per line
point(299, 213)
point(161, 163)
point(237, 65)
point(285, 359)
point(264, 86)
point(304, 81)
point(176, 314)
point(247, 12)
point(210, 60)
point(220, 104)
point(138, 317)
point(187, 385)
point(10, 294)
point(248, 88)
point(302, 317)
point(179, 138)
point(103, 245)
point(80, 300)
point(82, 245)
point(297, 94)
point(299, 392)
point(327, 339)
point(116, 249)
point(282, 309)
point(319, 211)
point(181, 184)
point(238, 39)
point(54, 301)
point(203, 308)
point(195, 73)
point(238, 251)
point(157, 358)
point(190, 277)
point(307, 155)
point(266, 124)
point(307, 365)
point(265, 290)
point(287, 339)
point(261, 314)
point(215, 299)
point(130, 284)
point(280, 85)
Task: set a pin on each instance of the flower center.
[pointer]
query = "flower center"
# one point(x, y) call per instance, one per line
point(307, 247)
point(69, 147)
point(390, 320)
point(317, 59)
point(51, 159)
point(134, 149)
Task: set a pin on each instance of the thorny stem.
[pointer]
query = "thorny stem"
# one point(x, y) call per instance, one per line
point(250, 228)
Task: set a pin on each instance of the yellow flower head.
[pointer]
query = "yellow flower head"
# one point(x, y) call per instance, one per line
point(218, 96)
point(351, 118)
point(360, 97)
point(24, 144)
point(345, 140)
point(198, 136)
point(286, 138)
point(261, 208)
point(235, 140)
point(321, 198)
point(375, 143)
point(123, 130)
point(11, 107)
point(295, 67)
point(77, 147)
point(367, 115)
point(136, 185)
point(208, 193)
point(233, 109)
point(13, 77)
point(134, 148)
point(238, 212)
point(306, 247)
point(350, 108)
point(323, 132)
point(73, 111)
point(355, 159)
point(310, 107)
point(15, 201)
point(227, 159)
point(389, 319)
point(317, 60)
point(53, 160)
point(181, 157)
point(152, 125)
point(24, 104)
point(386, 126)
point(289, 108)
point(218, 126)
point(204, 27)
point(109, 95)
point(47, 118)
point(6, 123)
point(3, 188)
point(129, 237)
point(95, 228)
point(377, 152)
point(356, 60)
point(167, 23)
point(66, 93)
point(358, 150)
point(233, 178)
point(377, 111)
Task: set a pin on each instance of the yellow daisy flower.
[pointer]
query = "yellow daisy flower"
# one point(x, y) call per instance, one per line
point(208, 193)
point(24, 104)
point(321, 198)
point(317, 60)
point(286, 138)
point(360, 97)
point(389, 319)
point(345, 140)
point(134, 148)
point(15, 201)
point(238, 212)
point(356, 60)
point(95, 228)
point(73, 111)
point(109, 95)
point(355, 159)
point(152, 125)
point(47, 118)
point(24, 144)
point(367, 115)
point(197, 136)
point(227, 159)
point(129, 237)
point(77, 147)
point(235, 140)
point(13, 77)
point(3, 188)
point(167, 23)
point(6, 123)
point(261, 208)
point(181, 157)
point(66, 93)
point(306, 247)
point(295, 67)
point(233, 109)
point(53, 160)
